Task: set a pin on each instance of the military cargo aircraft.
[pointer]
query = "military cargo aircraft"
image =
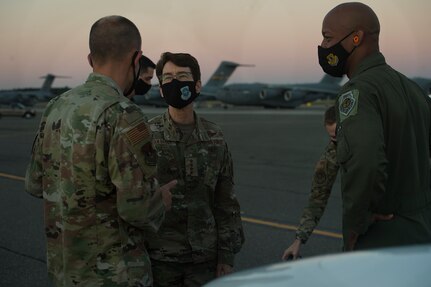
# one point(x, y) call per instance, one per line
point(29, 97)
point(289, 95)
point(279, 96)
point(209, 90)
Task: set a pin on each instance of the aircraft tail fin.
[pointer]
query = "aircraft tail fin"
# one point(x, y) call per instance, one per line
point(222, 74)
point(327, 79)
point(49, 79)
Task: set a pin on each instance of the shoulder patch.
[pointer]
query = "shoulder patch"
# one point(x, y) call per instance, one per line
point(138, 133)
point(348, 104)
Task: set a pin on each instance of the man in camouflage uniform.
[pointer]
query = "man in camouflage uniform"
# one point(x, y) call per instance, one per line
point(203, 230)
point(146, 75)
point(383, 136)
point(325, 173)
point(93, 163)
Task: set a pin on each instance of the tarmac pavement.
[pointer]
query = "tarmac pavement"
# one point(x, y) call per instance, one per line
point(274, 153)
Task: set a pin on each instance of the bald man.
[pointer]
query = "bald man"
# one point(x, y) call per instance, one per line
point(383, 133)
point(94, 165)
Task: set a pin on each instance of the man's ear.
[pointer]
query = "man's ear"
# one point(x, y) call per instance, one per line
point(90, 61)
point(137, 58)
point(198, 86)
point(358, 38)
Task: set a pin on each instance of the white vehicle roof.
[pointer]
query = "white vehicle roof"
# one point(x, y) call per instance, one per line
point(401, 266)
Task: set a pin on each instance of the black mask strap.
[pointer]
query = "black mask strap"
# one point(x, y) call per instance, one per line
point(135, 76)
point(346, 36)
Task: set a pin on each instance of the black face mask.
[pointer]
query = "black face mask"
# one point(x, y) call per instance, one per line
point(135, 75)
point(141, 88)
point(333, 59)
point(179, 94)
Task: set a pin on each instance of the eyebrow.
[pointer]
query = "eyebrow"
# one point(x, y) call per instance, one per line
point(177, 72)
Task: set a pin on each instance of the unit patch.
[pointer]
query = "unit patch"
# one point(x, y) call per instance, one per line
point(348, 104)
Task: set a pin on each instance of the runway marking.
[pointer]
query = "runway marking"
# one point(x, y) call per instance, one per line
point(246, 219)
point(289, 227)
point(10, 176)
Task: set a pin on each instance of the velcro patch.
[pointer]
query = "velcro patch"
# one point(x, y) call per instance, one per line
point(138, 133)
point(348, 104)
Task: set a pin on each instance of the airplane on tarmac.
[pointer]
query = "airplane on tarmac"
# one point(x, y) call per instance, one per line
point(289, 95)
point(279, 96)
point(208, 92)
point(29, 97)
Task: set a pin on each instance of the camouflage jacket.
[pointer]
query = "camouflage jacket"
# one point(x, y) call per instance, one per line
point(204, 222)
point(324, 177)
point(93, 163)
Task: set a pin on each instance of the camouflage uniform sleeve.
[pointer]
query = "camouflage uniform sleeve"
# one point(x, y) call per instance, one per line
point(132, 170)
point(227, 214)
point(324, 177)
point(33, 175)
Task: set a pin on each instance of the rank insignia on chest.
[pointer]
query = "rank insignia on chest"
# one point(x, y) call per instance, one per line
point(348, 104)
point(149, 153)
point(191, 167)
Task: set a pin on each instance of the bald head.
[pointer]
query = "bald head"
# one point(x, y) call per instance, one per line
point(112, 38)
point(353, 16)
point(356, 28)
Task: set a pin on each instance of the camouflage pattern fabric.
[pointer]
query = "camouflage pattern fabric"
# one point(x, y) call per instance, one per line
point(204, 223)
point(324, 177)
point(93, 163)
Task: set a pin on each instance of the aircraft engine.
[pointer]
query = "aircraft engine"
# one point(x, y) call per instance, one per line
point(272, 93)
point(294, 95)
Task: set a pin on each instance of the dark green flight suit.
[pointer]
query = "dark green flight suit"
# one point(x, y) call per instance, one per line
point(383, 149)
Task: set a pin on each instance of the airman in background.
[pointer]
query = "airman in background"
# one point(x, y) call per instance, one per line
point(325, 173)
point(147, 72)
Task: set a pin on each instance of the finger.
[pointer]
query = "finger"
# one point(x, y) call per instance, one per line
point(289, 257)
point(286, 254)
point(171, 184)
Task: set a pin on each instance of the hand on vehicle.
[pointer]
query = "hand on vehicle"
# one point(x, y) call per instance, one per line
point(223, 269)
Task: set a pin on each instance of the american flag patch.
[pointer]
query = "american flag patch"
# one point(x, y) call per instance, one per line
point(138, 133)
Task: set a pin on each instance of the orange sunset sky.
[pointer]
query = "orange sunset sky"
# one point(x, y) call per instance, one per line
point(280, 37)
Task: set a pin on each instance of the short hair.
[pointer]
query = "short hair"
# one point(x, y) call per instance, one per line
point(181, 60)
point(112, 38)
point(330, 116)
point(146, 63)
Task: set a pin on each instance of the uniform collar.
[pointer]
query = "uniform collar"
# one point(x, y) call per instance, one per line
point(95, 77)
point(374, 60)
point(172, 133)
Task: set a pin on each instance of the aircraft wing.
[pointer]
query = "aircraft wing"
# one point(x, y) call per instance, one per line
point(322, 89)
